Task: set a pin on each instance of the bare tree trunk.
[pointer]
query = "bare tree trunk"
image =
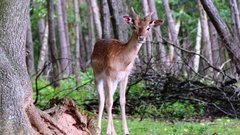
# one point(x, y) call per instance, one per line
point(106, 20)
point(116, 23)
point(64, 15)
point(173, 33)
point(235, 18)
point(15, 85)
point(230, 44)
point(53, 55)
point(196, 59)
point(148, 44)
point(157, 34)
point(41, 30)
point(44, 50)
point(206, 49)
point(77, 21)
point(97, 21)
point(29, 49)
point(63, 41)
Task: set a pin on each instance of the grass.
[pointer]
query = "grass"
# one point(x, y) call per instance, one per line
point(149, 127)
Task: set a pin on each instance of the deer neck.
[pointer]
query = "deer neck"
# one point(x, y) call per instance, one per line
point(132, 47)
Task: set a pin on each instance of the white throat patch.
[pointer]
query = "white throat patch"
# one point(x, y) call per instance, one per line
point(138, 46)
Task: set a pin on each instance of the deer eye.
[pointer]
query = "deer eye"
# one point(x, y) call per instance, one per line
point(134, 28)
point(148, 28)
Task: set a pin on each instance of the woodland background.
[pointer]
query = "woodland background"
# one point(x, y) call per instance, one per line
point(187, 69)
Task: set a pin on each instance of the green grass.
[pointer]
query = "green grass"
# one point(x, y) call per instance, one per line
point(150, 127)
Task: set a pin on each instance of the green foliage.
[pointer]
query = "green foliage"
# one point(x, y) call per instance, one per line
point(68, 89)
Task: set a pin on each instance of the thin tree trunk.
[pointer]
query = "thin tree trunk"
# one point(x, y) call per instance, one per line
point(161, 54)
point(106, 26)
point(148, 44)
point(230, 44)
point(65, 62)
point(77, 21)
point(41, 30)
point(235, 18)
point(175, 41)
point(44, 50)
point(53, 52)
point(15, 85)
point(115, 18)
point(97, 21)
point(196, 59)
point(29, 49)
point(206, 49)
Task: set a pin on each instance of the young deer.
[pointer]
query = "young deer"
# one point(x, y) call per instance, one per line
point(112, 62)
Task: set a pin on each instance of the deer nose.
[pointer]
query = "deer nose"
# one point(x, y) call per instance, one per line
point(140, 38)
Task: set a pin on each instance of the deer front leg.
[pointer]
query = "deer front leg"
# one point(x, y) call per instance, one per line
point(111, 87)
point(101, 100)
point(123, 85)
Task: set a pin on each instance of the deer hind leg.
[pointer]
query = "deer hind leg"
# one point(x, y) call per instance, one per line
point(123, 85)
point(111, 87)
point(101, 98)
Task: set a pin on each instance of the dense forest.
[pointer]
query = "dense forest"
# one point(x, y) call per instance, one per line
point(188, 67)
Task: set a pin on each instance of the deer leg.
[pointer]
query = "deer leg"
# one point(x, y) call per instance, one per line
point(111, 87)
point(101, 98)
point(123, 85)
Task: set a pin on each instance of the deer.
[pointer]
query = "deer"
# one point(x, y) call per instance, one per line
point(112, 61)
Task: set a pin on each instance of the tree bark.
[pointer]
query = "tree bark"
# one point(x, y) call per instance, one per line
point(77, 21)
point(161, 54)
point(222, 29)
point(15, 85)
point(106, 26)
point(148, 44)
point(63, 41)
point(235, 18)
point(29, 49)
point(174, 38)
point(196, 59)
point(53, 52)
point(97, 21)
point(206, 49)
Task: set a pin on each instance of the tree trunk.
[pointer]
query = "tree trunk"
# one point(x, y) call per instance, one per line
point(196, 58)
point(15, 85)
point(65, 20)
point(77, 21)
point(161, 54)
point(106, 26)
point(147, 45)
point(206, 49)
point(44, 51)
point(29, 49)
point(97, 21)
point(53, 52)
point(235, 18)
point(174, 38)
point(115, 18)
point(232, 45)
point(65, 62)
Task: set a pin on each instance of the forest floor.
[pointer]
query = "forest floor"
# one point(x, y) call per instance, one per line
point(223, 126)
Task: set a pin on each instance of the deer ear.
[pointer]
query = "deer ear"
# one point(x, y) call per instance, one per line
point(156, 23)
point(128, 19)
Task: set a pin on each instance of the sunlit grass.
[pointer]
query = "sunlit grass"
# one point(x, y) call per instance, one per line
point(150, 127)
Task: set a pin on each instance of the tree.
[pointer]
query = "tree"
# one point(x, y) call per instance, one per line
point(63, 41)
point(97, 21)
point(106, 26)
point(230, 44)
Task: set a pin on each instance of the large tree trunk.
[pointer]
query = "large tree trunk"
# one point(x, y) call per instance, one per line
point(53, 52)
point(91, 34)
point(29, 49)
point(106, 26)
point(206, 49)
point(15, 85)
point(232, 45)
point(97, 21)
point(65, 62)
point(173, 35)
point(161, 54)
